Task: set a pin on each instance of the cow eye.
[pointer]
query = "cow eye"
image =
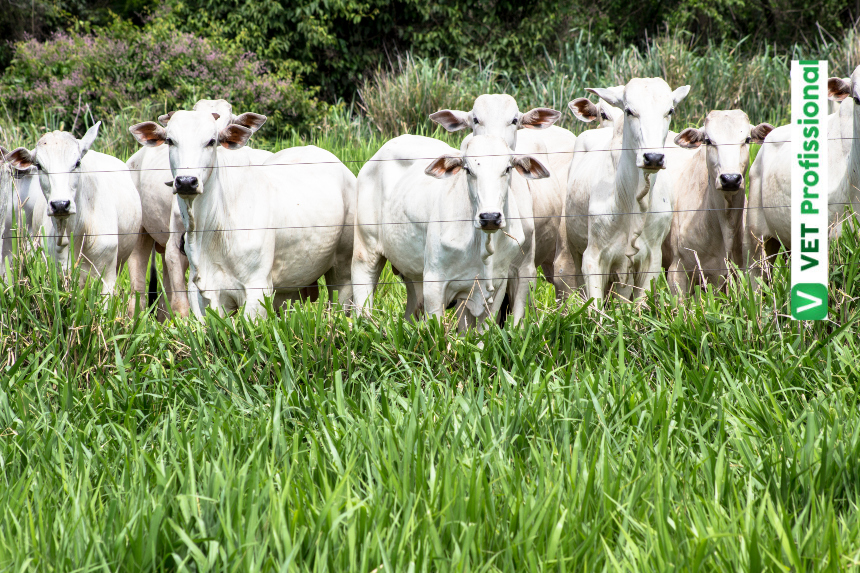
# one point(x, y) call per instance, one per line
point(36, 165)
point(211, 143)
point(671, 111)
point(707, 141)
point(476, 121)
point(603, 115)
point(467, 170)
point(78, 164)
point(168, 141)
point(749, 140)
point(857, 100)
point(508, 169)
point(629, 112)
point(514, 121)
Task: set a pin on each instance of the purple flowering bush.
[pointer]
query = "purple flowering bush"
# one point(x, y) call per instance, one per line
point(96, 74)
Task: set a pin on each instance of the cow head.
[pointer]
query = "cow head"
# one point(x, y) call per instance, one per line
point(192, 138)
point(585, 110)
point(57, 159)
point(726, 135)
point(648, 105)
point(487, 163)
point(497, 115)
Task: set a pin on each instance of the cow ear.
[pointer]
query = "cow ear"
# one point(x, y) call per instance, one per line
point(612, 96)
point(759, 132)
point(539, 118)
point(234, 136)
point(451, 119)
point(584, 109)
point(445, 166)
point(530, 168)
point(679, 94)
point(252, 121)
point(838, 89)
point(21, 159)
point(148, 133)
point(690, 138)
point(86, 142)
point(163, 119)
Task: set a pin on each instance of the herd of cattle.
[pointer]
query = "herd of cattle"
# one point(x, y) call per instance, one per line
point(609, 210)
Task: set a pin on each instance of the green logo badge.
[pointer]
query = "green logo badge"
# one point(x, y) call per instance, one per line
point(809, 301)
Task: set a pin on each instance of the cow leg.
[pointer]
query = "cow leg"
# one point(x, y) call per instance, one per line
point(679, 283)
point(163, 312)
point(339, 279)
point(596, 273)
point(138, 263)
point(366, 268)
point(177, 264)
point(566, 268)
point(411, 311)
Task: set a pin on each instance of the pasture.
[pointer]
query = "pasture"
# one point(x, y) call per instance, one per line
point(711, 433)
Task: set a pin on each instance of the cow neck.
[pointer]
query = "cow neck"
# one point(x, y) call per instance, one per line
point(76, 225)
point(629, 180)
point(209, 211)
point(729, 212)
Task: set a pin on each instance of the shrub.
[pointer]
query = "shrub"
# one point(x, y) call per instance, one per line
point(76, 74)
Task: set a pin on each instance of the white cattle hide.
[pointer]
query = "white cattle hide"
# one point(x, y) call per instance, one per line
point(530, 133)
point(707, 225)
point(162, 225)
point(617, 210)
point(253, 231)
point(91, 199)
point(438, 225)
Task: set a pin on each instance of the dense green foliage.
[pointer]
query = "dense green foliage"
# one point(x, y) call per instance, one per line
point(712, 434)
point(72, 76)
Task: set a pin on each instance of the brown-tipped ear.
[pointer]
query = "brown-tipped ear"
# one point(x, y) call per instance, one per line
point(234, 136)
point(148, 133)
point(838, 89)
point(451, 119)
point(584, 109)
point(530, 168)
point(252, 121)
point(690, 138)
point(759, 132)
point(539, 118)
point(163, 119)
point(21, 159)
point(445, 166)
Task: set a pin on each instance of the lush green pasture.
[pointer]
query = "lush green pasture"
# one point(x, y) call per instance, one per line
point(709, 434)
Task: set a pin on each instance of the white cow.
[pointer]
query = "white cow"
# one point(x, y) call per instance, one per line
point(707, 226)
point(90, 199)
point(768, 214)
point(592, 148)
point(162, 223)
point(440, 231)
point(617, 210)
point(529, 133)
point(253, 231)
point(26, 208)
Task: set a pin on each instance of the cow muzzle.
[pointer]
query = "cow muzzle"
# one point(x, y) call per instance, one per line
point(653, 161)
point(491, 222)
point(60, 209)
point(186, 185)
point(731, 182)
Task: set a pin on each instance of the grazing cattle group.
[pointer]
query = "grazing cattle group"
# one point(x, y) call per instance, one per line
point(608, 211)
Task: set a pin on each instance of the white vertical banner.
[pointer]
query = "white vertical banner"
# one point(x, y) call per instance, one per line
point(809, 190)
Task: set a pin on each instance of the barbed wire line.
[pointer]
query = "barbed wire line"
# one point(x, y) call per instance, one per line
point(656, 274)
point(372, 159)
point(244, 229)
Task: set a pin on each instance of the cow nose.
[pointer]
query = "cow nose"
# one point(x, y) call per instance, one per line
point(731, 181)
point(185, 184)
point(490, 220)
point(60, 207)
point(654, 160)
